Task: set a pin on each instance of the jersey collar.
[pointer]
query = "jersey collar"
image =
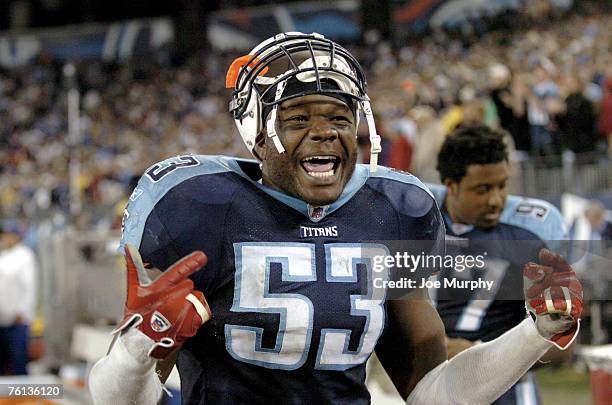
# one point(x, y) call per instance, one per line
point(456, 228)
point(314, 213)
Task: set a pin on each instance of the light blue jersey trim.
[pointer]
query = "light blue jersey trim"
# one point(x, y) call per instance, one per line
point(403, 177)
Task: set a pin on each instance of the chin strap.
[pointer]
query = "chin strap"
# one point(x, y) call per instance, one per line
point(375, 147)
point(271, 123)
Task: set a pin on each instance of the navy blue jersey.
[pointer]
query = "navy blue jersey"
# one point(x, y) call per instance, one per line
point(525, 226)
point(295, 315)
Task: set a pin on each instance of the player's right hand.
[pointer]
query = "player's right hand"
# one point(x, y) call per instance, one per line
point(553, 296)
point(168, 310)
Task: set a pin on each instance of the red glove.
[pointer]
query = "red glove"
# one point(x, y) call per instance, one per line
point(554, 297)
point(167, 310)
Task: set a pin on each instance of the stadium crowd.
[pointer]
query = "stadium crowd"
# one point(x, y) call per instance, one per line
point(549, 86)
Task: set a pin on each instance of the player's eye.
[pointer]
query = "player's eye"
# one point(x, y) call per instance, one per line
point(296, 118)
point(482, 190)
point(295, 122)
point(341, 121)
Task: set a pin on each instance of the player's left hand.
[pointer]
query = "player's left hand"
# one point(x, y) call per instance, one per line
point(553, 296)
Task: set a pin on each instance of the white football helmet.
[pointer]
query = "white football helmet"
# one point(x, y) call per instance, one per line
point(319, 64)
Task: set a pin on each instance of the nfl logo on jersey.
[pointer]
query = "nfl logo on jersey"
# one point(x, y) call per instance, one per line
point(317, 213)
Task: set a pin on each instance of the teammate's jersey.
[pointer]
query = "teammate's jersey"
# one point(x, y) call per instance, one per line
point(295, 316)
point(525, 226)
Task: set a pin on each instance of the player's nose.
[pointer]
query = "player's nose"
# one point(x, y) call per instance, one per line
point(496, 198)
point(322, 130)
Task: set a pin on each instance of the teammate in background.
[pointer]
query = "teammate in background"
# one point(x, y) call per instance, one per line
point(473, 166)
point(288, 278)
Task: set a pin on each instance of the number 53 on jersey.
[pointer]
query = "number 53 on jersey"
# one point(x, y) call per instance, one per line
point(294, 340)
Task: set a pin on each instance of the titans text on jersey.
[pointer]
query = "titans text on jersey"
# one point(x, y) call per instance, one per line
point(291, 294)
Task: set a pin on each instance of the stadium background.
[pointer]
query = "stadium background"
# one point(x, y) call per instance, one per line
point(93, 92)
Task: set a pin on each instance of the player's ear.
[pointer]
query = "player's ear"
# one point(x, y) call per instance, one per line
point(260, 146)
point(451, 186)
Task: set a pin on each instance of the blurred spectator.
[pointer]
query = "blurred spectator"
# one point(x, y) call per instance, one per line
point(543, 92)
point(430, 136)
point(138, 112)
point(401, 134)
point(18, 274)
point(576, 119)
point(597, 272)
point(601, 227)
point(604, 122)
point(508, 94)
point(474, 110)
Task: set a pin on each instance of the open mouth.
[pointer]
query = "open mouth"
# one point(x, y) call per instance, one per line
point(320, 166)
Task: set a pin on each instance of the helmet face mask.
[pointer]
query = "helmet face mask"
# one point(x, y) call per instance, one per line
point(292, 65)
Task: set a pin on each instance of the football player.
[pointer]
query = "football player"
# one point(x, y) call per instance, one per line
point(474, 168)
point(287, 276)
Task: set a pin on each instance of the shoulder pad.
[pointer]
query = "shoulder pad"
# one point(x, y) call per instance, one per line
point(399, 175)
point(535, 215)
point(155, 183)
point(407, 200)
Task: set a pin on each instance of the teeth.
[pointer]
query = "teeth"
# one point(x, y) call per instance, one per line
point(328, 173)
point(318, 157)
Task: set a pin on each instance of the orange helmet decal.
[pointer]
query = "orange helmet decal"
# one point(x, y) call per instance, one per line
point(234, 69)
